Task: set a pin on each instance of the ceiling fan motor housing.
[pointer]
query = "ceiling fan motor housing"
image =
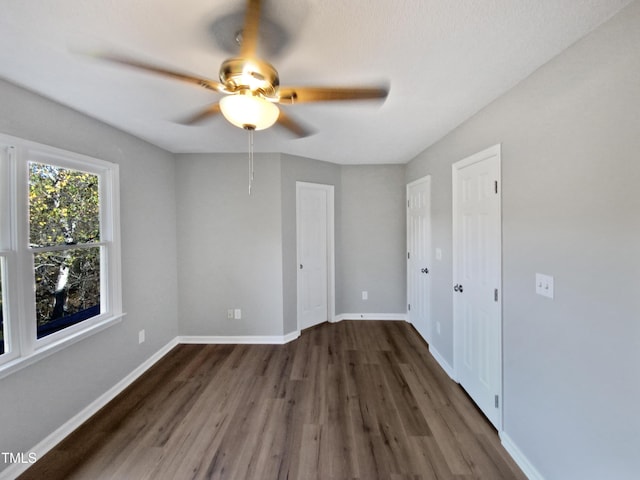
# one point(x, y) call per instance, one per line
point(258, 76)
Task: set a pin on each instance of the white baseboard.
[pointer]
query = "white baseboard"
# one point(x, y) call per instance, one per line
point(290, 337)
point(239, 339)
point(16, 469)
point(370, 316)
point(443, 363)
point(523, 462)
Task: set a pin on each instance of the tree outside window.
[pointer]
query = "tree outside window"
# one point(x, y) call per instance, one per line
point(64, 235)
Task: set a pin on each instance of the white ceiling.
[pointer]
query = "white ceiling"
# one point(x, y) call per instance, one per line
point(443, 59)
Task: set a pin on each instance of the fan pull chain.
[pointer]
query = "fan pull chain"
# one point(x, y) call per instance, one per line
point(250, 158)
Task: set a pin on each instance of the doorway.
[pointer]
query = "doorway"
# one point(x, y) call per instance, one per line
point(477, 278)
point(315, 253)
point(419, 256)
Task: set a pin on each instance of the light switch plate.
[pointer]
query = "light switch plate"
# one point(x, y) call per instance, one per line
point(544, 285)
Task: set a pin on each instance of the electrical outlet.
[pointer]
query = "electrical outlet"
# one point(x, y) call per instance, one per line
point(365, 295)
point(230, 314)
point(237, 314)
point(141, 336)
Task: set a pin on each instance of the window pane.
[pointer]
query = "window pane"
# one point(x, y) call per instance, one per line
point(64, 207)
point(67, 288)
point(2, 348)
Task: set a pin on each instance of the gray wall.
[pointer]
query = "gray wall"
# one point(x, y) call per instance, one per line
point(229, 245)
point(372, 240)
point(570, 137)
point(38, 399)
point(236, 251)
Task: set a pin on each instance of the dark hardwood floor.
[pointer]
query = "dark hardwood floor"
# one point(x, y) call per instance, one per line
point(351, 400)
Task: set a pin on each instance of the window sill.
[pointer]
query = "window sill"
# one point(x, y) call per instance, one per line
point(19, 363)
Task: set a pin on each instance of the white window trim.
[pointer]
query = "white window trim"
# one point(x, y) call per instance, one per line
point(19, 305)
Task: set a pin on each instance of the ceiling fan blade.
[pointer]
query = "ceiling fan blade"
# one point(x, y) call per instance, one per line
point(210, 111)
point(292, 95)
point(250, 29)
point(202, 82)
point(293, 126)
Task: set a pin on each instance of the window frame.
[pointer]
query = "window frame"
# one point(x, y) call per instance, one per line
point(20, 329)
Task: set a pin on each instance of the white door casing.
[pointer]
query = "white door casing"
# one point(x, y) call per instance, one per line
point(315, 253)
point(419, 256)
point(477, 278)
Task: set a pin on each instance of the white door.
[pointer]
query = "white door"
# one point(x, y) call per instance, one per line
point(314, 220)
point(477, 278)
point(419, 255)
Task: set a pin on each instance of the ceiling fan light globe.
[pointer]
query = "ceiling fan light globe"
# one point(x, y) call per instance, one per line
point(249, 111)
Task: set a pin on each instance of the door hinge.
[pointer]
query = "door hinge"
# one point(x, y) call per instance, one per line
point(495, 295)
point(408, 203)
point(409, 307)
point(495, 186)
point(408, 255)
point(497, 401)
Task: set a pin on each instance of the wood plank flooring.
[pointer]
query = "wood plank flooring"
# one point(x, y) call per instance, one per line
point(351, 400)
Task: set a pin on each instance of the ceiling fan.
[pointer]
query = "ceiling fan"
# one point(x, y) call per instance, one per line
point(251, 86)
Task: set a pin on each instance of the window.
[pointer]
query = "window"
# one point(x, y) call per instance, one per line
point(59, 249)
point(64, 227)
